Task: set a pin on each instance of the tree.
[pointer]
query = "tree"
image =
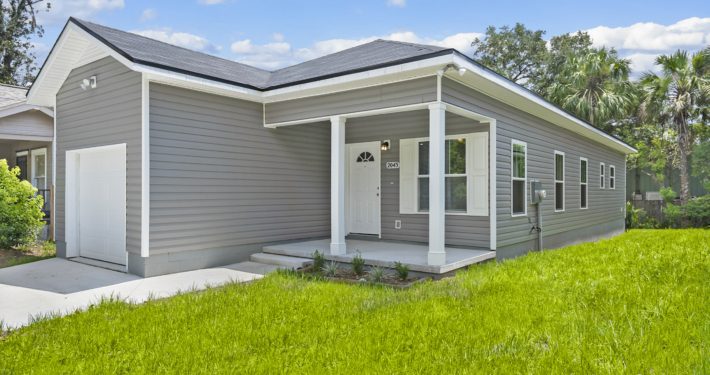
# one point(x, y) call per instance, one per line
point(562, 48)
point(17, 25)
point(516, 53)
point(594, 86)
point(677, 99)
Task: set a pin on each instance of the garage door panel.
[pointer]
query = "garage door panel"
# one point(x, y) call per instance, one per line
point(102, 204)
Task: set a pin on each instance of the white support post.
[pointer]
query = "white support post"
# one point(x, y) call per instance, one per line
point(337, 185)
point(437, 139)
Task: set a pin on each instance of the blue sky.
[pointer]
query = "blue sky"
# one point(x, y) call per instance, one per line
point(273, 34)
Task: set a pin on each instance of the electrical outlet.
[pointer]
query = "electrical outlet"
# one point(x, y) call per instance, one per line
point(398, 224)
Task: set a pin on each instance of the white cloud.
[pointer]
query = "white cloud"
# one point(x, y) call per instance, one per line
point(148, 14)
point(648, 36)
point(642, 42)
point(181, 39)
point(279, 54)
point(397, 3)
point(61, 10)
point(278, 37)
point(643, 62)
point(211, 2)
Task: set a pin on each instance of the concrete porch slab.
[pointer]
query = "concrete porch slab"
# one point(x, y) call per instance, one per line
point(384, 254)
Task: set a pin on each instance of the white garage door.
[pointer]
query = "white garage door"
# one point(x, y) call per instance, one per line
point(102, 204)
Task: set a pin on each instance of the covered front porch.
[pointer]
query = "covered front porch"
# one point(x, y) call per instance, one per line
point(385, 254)
point(416, 179)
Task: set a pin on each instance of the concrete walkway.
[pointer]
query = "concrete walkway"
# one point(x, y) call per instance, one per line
point(59, 287)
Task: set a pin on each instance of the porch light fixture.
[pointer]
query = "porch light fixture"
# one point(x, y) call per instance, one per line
point(88, 82)
point(385, 145)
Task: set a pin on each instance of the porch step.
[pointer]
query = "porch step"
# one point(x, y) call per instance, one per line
point(280, 260)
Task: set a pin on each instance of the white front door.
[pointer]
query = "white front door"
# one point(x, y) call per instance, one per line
point(364, 188)
point(102, 204)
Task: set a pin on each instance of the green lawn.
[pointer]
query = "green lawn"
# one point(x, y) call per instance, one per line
point(639, 303)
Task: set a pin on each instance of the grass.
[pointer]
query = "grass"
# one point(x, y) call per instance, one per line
point(638, 303)
point(27, 254)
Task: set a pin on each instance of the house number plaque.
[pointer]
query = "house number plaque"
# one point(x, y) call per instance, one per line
point(392, 165)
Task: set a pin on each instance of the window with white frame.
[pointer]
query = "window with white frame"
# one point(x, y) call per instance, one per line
point(38, 159)
point(559, 181)
point(454, 175)
point(602, 175)
point(583, 182)
point(465, 174)
point(519, 189)
point(612, 177)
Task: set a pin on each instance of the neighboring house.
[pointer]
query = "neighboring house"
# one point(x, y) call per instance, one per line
point(169, 159)
point(26, 136)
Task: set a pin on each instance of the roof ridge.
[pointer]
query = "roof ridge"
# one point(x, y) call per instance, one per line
point(329, 54)
point(430, 47)
point(168, 44)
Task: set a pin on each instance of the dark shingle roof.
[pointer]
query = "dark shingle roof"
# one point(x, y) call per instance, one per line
point(146, 51)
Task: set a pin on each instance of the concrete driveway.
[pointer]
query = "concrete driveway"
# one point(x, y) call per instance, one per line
point(58, 287)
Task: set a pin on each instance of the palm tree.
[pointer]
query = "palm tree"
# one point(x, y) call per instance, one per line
point(678, 98)
point(594, 86)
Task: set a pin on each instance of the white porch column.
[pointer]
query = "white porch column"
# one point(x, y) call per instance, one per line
point(337, 185)
point(437, 137)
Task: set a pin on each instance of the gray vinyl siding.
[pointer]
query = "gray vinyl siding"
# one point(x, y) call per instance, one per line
point(543, 139)
point(220, 180)
point(415, 91)
point(31, 123)
point(471, 231)
point(109, 114)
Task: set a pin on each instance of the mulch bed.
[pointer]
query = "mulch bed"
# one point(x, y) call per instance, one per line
point(349, 277)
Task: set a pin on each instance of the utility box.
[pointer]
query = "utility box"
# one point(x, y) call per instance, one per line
point(537, 193)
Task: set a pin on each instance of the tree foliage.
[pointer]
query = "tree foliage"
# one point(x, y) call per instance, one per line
point(20, 209)
point(516, 53)
point(677, 99)
point(595, 86)
point(18, 24)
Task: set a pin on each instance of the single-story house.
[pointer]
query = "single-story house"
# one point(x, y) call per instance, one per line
point(169, 159)
point(26, 136)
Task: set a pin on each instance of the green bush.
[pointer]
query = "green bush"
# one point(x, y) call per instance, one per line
point(672, 216)
point(20, 209)
point(667, 194)
point(318, 261)
point(402, 270)
point(697, 212)
point(358, 264)
point(637, 218)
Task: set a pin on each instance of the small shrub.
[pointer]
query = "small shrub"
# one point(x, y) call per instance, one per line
point(20, 209)
point(667, 194)
point(330, 269)
point(402, 270)
point(358, 264)
point(697, 212)
point(376, 274)
point(672, 216)
point(318, 260)
point(637, 218)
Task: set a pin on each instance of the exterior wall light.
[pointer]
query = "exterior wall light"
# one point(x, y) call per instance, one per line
point(385, 145)
point(88, 83)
